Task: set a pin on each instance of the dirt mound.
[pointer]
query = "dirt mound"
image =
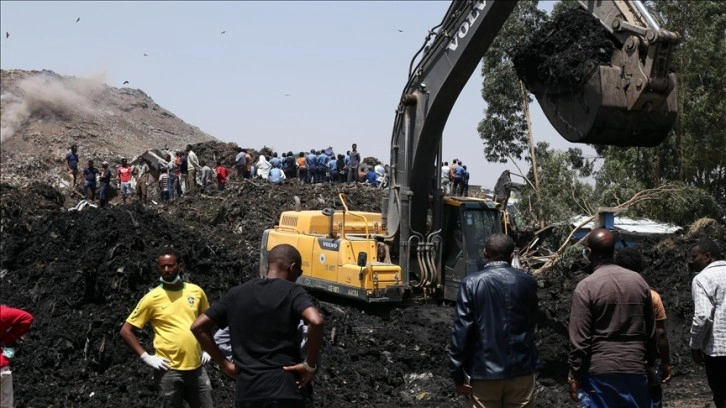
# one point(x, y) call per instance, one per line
point(81, 272)
point(564, 51)
point(43, 113)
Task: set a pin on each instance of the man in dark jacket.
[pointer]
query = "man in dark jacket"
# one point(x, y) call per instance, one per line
point(492, 355)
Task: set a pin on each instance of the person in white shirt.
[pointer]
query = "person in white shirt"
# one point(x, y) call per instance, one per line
point(192, 168)
point(445, 182)
point(708, 329)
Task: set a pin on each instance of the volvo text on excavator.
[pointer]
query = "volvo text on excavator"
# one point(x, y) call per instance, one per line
point(425, 242)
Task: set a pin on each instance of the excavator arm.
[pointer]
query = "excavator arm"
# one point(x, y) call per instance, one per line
point(632, 101)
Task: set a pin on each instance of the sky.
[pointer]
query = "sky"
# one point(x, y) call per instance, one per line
point(288, 75)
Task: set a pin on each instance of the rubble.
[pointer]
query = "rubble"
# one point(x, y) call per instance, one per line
point(81, 272)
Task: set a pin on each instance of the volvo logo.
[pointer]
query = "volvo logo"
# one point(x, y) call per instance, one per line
point(329, 244)
point(463, 30)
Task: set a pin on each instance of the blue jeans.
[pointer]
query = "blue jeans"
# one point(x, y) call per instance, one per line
point(192, 386)
point(280, 403)
point(102, 191)
point(618, 390)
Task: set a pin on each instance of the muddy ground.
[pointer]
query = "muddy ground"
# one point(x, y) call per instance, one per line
point(81, 272)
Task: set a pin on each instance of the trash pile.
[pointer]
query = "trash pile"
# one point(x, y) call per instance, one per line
point(81, 272)
point(563, 52)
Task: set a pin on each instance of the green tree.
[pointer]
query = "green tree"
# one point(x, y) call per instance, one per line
point(504, 128)
point(563, 194)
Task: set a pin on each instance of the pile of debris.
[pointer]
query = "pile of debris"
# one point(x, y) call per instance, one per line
point(81, 272)
point(564, 52)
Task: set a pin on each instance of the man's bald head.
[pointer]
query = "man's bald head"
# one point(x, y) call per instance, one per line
point(499, 247)
point(601, 242)
point(284, 255)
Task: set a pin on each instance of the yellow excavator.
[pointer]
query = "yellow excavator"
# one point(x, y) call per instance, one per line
point(424, 242)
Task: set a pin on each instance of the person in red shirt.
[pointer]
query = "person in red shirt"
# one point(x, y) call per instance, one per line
point(14, 323)
point(124, 177)
point(222, 174)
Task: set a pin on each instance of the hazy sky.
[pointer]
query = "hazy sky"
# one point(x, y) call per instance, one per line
point(288, 75)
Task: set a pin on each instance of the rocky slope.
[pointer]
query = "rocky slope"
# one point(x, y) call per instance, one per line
point(43, 113)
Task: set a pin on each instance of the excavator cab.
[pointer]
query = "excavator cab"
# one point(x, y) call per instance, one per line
point(467, 223)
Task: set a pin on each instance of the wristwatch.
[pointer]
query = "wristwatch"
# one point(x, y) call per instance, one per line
point(309, 368)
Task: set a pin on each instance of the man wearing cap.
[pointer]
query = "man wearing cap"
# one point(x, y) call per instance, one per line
point(104, 179)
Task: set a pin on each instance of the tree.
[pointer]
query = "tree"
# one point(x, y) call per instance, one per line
point(562, 193)
point(504, 128)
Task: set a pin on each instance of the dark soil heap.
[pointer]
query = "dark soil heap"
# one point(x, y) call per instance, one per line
point(563, 52)
point(81, 272)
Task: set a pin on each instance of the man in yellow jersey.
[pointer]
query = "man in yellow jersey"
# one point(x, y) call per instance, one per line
point(178, 361)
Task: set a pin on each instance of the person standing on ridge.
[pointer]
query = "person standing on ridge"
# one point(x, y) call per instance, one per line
point(353, 163)
point(105, 180)
point(71, 159)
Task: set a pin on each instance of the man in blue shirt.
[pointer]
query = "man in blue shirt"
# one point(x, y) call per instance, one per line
point(333, 171)
point(322, 166)
point(275, 161)
point(72, 164)
point(276, 175)
point(311, 161)
point(458, 179)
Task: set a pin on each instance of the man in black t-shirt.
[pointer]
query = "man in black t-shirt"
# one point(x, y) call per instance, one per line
point(263, 316)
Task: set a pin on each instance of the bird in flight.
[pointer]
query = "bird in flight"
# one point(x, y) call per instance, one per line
point(223, 32)
point(400, 31)
point(126, 82)
point(287, 94)
point(146, 55)
point(78, 19)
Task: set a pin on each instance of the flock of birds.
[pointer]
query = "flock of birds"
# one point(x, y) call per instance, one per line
point(7, 35)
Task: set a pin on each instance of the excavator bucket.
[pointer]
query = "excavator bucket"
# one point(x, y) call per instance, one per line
point(599, 112)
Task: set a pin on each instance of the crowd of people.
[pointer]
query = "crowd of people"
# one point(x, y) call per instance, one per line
point(455, 178)
point(185, 173)
point(315, 166)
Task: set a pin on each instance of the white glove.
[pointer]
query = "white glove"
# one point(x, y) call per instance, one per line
point(157, 363)
point(206, 358)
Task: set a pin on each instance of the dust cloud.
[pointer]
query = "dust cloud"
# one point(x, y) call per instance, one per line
point(46, 94)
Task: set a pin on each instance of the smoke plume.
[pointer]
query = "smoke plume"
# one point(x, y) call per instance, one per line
point(45, 94)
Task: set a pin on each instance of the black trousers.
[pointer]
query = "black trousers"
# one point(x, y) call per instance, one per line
point(715, 373)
